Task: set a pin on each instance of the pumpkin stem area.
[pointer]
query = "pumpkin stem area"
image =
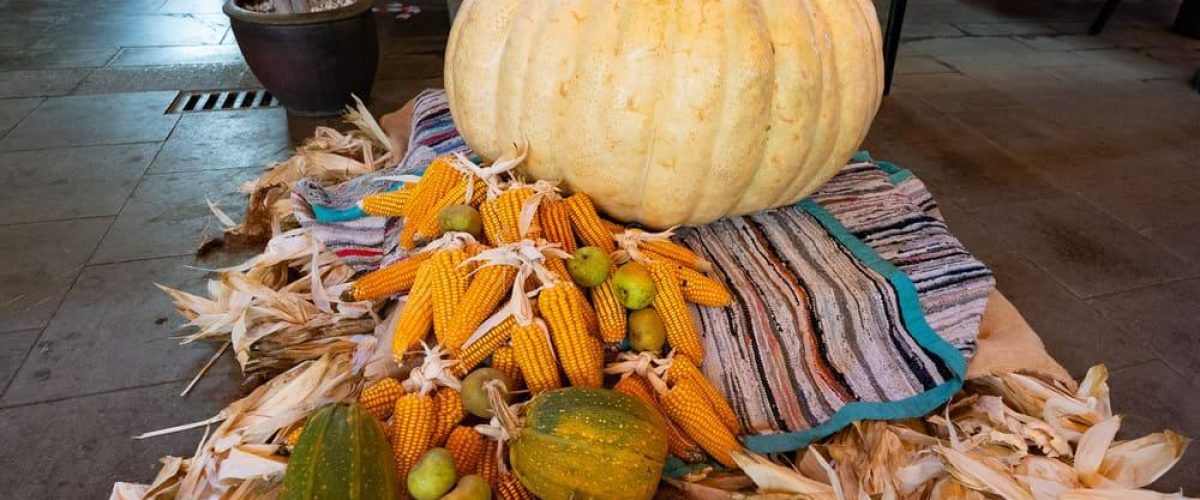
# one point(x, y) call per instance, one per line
point(504, 413)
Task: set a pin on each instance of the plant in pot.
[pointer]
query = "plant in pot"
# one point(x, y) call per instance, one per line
point(311, 54)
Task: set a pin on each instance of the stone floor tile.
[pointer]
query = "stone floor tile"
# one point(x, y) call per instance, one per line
point(191, 7)
point(173, 56)
point(1064, 42)
point(104, 30)
point(1083, 248)
point(1073, 331)
point(966, 45)
point(390, 95)
point(911, 65)
point(969, 100)
point(13, 348)
point(1132, 195)
point(999, 70)
point(183, 77)
point(22, 32)
point(967, 170)
point(914, 31)
point(13, 111)
point(114, 314)
point(1166, 317)
point(167, 214)
point(938, 83)
point(1182, 240)
point(903, 119)
point(42, 82)
point(92, 120)
point(30, 59)
point(77, 448)
point(399, 66)
point(1152, 397)
point(225, 139)
point(70, 183)
point(1025, 133)
point(41, 262)
point(1004, 29)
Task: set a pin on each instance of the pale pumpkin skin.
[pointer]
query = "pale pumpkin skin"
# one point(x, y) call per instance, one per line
point(669, 112)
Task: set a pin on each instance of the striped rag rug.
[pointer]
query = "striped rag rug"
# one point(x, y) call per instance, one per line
point(856, 303)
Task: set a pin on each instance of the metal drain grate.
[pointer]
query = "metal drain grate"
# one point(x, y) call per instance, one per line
point(198, 101)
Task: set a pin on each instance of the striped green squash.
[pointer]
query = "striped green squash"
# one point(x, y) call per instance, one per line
point(584, 443)
point(343, 453)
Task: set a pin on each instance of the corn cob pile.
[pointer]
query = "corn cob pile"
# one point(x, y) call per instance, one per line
point(505, 297)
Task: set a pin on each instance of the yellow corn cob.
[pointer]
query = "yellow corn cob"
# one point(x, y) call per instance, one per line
point(679, 443)
point(585, 311)
point(489, 286)
point(682, 333)
point(686, 406)
point(558, 266)
point(576, 347)
point(293, 436)
point(448, 283)
point(501, 217)
point(441, 176)
point(470, 356)
point(535, 356)
point(555, 218)
point(588, 224)
point(447, 403)
point(465, 444)
point(425, 227)
point(390, 280)
point(489, 467)
point(610, 313)
point(508, 487)
point(674, 252)
point(612, 227)
point(412, 428)
point(389, 204)
point(700, 289)
point(505, 360)
point(474, 248)
point(380, 398)
point(682, 368)
point(417, 316)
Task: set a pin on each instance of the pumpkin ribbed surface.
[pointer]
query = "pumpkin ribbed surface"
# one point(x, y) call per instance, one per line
point(669, 112)
point(343, 453)
point(588, 443)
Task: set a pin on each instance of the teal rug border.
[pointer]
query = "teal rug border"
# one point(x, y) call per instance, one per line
point(914, 319)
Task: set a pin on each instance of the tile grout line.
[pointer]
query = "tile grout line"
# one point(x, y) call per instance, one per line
point(3, 151)
point(74, 282)
point(24, 116)
point(91, 394)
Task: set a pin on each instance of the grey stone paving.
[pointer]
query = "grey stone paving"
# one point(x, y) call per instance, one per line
point(1065, 161)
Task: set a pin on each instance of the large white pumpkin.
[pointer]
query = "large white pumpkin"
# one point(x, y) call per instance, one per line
point(669, 112)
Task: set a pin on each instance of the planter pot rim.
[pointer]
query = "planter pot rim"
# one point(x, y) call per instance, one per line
point(235, 11)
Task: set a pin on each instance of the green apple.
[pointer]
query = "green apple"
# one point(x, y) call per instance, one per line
point(646, 330)
point(589, 266)
point(474, 397)
point(633, 285)
point(461, 219)
point(470, 487)
point(433, 475)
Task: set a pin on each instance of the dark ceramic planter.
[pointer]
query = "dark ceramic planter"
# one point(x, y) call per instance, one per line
point(311, 62)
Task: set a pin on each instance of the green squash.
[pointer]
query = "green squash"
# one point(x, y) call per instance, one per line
point(343, 453)
point(585, 443)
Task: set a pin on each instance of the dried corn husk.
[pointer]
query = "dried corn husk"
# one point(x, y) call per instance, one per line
point(273, 323)
point(1011, 436)
point(329, 157)
point(242, 455)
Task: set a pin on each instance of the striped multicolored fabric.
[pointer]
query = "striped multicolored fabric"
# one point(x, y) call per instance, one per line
point(366, 243)
point(854, 304)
